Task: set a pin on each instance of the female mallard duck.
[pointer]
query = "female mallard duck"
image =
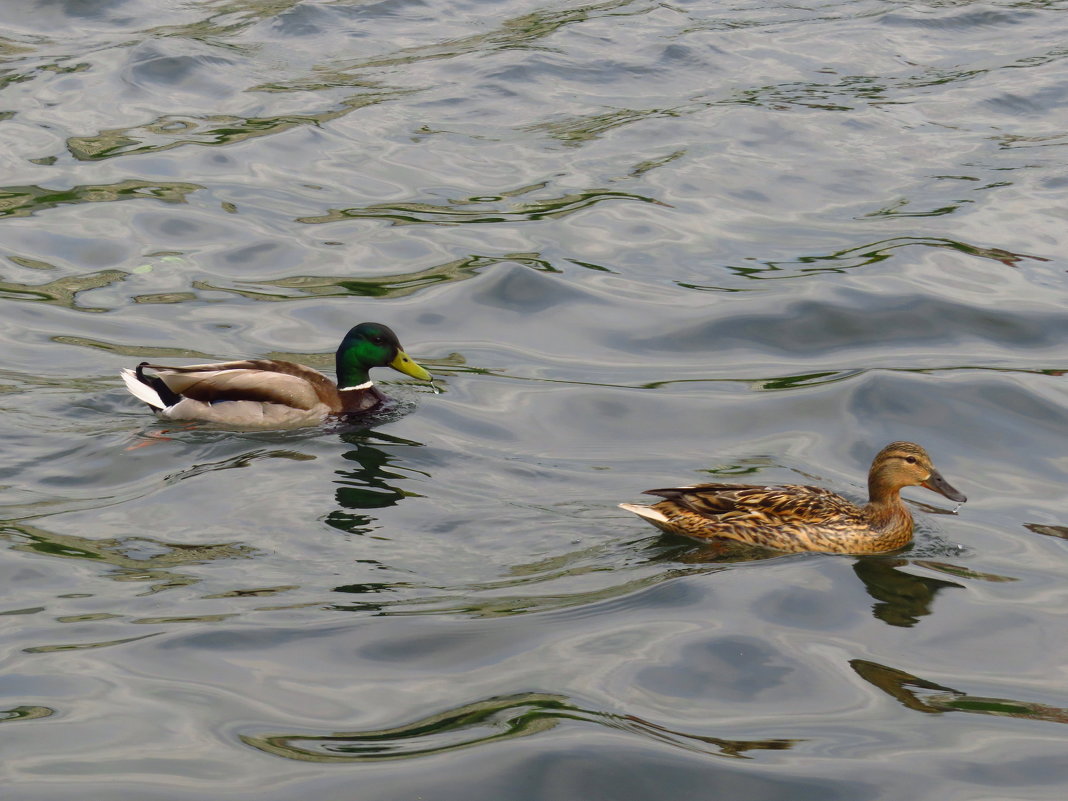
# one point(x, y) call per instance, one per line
point(269, 393)
point(798, 518)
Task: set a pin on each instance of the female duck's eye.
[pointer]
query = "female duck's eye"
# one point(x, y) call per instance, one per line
point(910, 459)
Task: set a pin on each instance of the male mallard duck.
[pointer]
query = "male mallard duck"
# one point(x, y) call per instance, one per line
point(797, 518)
point(269, 393)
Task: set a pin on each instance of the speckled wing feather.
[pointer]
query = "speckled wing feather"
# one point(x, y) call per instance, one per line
point(790, 517)
point(734, 502)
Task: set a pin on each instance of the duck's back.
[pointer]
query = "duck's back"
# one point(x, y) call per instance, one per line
point(789, 517)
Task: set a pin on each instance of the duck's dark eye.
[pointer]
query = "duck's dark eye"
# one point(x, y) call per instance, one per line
point(910, 459)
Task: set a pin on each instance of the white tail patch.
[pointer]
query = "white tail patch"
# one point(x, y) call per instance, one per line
point(648, 512)
point(142, 391)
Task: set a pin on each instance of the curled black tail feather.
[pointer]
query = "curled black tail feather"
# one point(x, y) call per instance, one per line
point(166, 394)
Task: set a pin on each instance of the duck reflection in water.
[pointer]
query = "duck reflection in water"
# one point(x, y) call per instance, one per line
point(922, 695)
point(902, 598)
point(369, 484)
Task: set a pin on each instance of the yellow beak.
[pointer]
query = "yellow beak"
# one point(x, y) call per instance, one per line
point(403, 363)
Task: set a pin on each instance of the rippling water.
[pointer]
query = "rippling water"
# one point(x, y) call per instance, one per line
point(639, 243)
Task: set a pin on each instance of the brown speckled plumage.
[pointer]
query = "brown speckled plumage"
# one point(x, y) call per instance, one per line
point(797, 518)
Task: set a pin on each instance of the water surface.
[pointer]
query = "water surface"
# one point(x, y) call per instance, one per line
point(640, 244)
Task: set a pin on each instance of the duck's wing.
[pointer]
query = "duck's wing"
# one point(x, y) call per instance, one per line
point(763, 505)
point(260, 380)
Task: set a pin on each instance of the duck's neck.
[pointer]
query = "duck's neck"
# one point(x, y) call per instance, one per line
point(360, 398)
point(351, 373)
point(885, 510)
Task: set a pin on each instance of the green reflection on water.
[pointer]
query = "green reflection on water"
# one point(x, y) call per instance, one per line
point(455, 212)
point(137, 351)
point(82, 646)
point(521, 32)
point(855, 257)
point(396, 285)
point(922, 695)
point(132, 558)
point(63, 291)
point(25, 713)
point(227, 19)
point(167, 132)
point(581, 129)
point(1048, 530)
point(517, 593)
point(22, 201)
point(485, 721)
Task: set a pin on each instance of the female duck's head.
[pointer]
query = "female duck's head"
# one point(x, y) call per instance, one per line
point(905, 464)
point(370, 345)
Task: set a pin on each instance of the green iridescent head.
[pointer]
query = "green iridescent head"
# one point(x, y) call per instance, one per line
point(370, 345)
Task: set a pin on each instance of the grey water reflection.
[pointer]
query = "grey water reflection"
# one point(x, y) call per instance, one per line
point(483, 722)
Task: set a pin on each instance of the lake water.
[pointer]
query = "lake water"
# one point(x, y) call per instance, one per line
point(640, 244)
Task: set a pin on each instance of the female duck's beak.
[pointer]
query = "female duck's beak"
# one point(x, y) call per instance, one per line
point(938, 484)
point(403, 363)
